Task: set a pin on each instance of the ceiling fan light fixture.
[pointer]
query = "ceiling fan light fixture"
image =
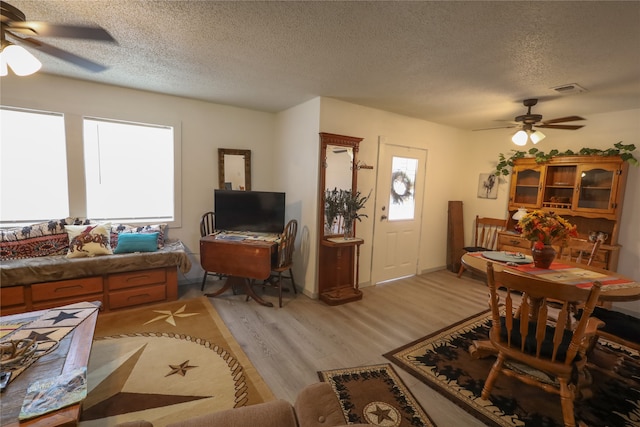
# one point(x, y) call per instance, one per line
point(21, 62)
point(537, 136)
point(520, 138)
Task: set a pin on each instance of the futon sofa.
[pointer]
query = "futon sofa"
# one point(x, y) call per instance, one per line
point(315, 406)
point(63, 261)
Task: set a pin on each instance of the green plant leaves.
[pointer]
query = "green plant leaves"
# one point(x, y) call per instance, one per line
point(623, 150)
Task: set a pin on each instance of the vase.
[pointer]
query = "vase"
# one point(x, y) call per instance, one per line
point(542, 258)
point(348, 230)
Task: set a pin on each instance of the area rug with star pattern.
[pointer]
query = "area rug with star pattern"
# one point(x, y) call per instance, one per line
point(165, 363)
point(375, 395)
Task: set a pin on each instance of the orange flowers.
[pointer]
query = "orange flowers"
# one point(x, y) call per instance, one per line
point(546, 228)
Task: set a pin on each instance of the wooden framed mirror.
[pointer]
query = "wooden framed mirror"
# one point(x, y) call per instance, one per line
point(338, 171)
point(337, 256)
point(234, 169)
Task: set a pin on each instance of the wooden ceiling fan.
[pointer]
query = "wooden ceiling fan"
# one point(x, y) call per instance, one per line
point(527, 121)
point(17, 30)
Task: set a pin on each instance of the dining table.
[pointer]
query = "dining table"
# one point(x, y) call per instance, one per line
point(615, 286)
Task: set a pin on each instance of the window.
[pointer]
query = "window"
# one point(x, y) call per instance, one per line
point(33, 166)
point(403, 181)
point(129, 170)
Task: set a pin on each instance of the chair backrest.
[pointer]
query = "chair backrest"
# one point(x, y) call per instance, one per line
point(534, 338)
point(207, 224)
point(576, 249)
point(486, 232)
point(287, 243)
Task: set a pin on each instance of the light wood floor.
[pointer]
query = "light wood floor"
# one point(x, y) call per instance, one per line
point(289, 345)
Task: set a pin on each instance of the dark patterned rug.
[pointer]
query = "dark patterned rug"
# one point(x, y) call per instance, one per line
point(442, 361)
point(375, 395)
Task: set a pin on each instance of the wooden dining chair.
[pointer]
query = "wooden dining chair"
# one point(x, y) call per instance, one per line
point(577, 249)
point(485, 236)
point(284, 260)
point(207, 226)
point(580, 251)
point(521, 334)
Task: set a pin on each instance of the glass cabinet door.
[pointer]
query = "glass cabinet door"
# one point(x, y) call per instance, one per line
point(597, 188)
point(527, 189)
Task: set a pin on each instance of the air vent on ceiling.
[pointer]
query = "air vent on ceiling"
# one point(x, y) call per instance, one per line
point(569, 88)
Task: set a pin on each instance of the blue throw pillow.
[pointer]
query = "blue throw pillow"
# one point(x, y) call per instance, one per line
point(136, 242)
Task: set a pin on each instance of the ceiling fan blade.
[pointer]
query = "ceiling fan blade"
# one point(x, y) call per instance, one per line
point(64, 55)
point(44, 29)
point(563, 119)
point(499, 127)
point(564, 127)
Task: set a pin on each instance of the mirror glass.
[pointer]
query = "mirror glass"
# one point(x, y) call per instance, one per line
point(338, 166)
point(234, 169)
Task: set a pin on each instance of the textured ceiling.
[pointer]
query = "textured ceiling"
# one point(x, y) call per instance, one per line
point(461, 63)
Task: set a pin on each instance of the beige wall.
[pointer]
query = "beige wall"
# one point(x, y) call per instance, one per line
point(296, 172)
point(443, 144)
point(601, 131)
point(285, 150)
point(205, 128)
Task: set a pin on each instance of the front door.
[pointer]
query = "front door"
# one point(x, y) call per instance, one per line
point(398, 212)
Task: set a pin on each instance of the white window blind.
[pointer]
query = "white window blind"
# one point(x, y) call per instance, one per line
point(33, 166)
point(129, 170)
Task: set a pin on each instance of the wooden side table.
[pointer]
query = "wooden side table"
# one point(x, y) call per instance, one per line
point(343, 286)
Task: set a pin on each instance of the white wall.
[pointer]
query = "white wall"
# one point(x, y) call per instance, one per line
point(445, 149)
point(295, 159)
point(205, 128)
point(455, 158)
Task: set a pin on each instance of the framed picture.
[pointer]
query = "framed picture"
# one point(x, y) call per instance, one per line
point(487, 186)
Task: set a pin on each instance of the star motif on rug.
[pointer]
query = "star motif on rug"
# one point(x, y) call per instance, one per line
point(40, 336)
point(382, 414)
point(63, 315)
point(180, 369)
point(170, 317)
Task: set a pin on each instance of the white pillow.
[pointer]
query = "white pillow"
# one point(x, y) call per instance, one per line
point(89, 240)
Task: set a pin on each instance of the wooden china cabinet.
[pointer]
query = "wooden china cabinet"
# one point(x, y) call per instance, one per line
point(588, 191)
point(338, 259)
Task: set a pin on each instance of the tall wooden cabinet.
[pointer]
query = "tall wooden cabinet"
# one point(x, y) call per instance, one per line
point(588, 191)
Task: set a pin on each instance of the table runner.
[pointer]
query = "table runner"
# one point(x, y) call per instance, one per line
point(570, 275)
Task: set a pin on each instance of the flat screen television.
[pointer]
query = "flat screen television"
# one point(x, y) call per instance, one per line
point(254, 211)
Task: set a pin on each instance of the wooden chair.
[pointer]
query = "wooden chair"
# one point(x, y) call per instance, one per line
point(618, 327)
point(521, 334)
point(207, 226)
point(485, 236)
point(284, 260)
point(576, 249)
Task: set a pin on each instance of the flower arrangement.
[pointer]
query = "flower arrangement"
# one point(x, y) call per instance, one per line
point(344, 203)
point(546, 228)
point(332, 206)
point(353, 202)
